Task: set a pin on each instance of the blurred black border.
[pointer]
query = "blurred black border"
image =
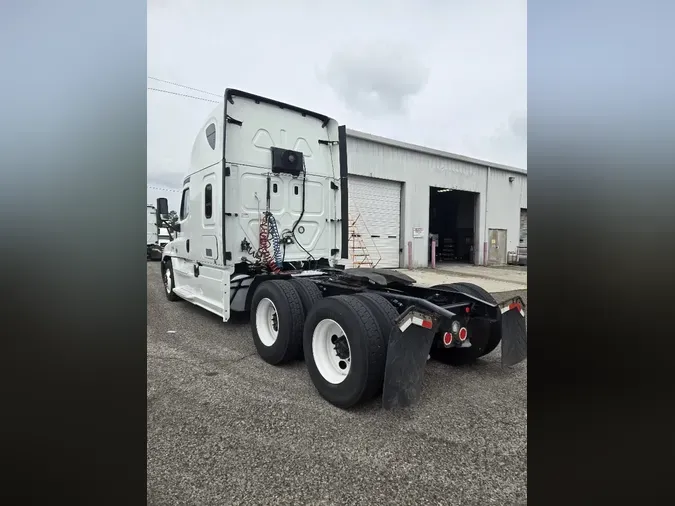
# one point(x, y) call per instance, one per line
point(602, 197)
point(601, 163)
point(73, 148)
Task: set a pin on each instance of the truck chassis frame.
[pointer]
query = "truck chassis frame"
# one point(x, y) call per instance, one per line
point(425, 321)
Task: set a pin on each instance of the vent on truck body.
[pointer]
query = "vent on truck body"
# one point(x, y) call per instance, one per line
point(286, 161)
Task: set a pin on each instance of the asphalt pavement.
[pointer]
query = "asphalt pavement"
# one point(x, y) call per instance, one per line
point(224, 427)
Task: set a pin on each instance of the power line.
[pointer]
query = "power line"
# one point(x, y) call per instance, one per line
point(185, 95)
point(163, 189)
point(184, 86)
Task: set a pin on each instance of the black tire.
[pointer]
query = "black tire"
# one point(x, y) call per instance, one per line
point(384, 313)
point(169, 281)
point(308, 291)
point(368, 353)
point(462, 356)
point(290, 317)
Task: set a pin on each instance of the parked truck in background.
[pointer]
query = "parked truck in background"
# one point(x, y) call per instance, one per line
point(163, 237)
point(263, 226)
point(158, 235)
point(154, 250)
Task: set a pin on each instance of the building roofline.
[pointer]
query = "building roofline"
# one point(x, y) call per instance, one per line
point(430, 151)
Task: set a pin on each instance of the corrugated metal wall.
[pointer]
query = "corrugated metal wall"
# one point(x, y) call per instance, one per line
point(419, 171)
point(504, 204)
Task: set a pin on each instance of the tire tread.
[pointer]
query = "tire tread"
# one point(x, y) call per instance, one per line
point(387, 315)
point(308, 291)
point(356, 312)
point(296, 316)
point(376, 346)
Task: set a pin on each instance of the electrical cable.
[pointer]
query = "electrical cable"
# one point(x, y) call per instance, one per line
point(264, 233)
point(184, 95)
point(164, 189)
point(264, 251)
point(184, 86)
point(274, 233)
point(302, 213)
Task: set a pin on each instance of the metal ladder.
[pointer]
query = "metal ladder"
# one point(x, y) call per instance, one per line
point(359, 252)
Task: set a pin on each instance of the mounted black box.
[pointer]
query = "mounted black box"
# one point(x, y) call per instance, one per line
point(287, 161)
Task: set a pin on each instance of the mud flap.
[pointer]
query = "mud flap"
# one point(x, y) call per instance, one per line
point(410, 342)
point(514, 333)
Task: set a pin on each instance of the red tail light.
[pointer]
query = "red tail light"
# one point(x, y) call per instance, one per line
point(462, 334)
point(447, 339)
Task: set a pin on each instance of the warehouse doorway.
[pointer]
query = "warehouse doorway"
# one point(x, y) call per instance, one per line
point(452, 223)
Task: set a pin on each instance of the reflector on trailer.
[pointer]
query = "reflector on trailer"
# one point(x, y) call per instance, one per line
point(415, 320)
point(420, 322)
point(514, 305)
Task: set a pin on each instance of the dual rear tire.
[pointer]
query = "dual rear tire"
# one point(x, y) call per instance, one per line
point(343, 339)
point(345, 350)
point(277, 316)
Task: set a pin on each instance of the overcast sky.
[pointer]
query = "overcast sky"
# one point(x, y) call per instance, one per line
point(447, 74)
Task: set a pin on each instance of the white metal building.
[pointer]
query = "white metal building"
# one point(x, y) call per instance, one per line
point(395, 195)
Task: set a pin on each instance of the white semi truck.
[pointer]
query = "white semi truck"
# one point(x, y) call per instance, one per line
point(263, 225)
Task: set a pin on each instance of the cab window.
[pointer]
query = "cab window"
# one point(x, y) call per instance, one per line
point(208, 201)
point(185, 204)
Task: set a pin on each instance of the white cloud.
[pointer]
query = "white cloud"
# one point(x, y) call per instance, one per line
point(376, 77)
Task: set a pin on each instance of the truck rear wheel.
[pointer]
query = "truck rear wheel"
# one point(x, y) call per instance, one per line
point(277, 318)
point(384, 313)
point(308, 291)
point(344, 350)
point(169, 283)
point(491, 334)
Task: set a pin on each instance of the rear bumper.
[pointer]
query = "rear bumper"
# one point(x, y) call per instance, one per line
point(412, 338)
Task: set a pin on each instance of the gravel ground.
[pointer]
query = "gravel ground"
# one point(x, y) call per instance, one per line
point(226, 428)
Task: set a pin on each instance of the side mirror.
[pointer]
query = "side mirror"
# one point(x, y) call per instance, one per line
point(162, 209)
point(175, 227)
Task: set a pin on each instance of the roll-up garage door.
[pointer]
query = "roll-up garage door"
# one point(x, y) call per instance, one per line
point(523, 228)
point(375, 211)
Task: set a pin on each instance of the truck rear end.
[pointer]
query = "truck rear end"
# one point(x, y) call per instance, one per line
point(282, 183)
point(262, 225)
